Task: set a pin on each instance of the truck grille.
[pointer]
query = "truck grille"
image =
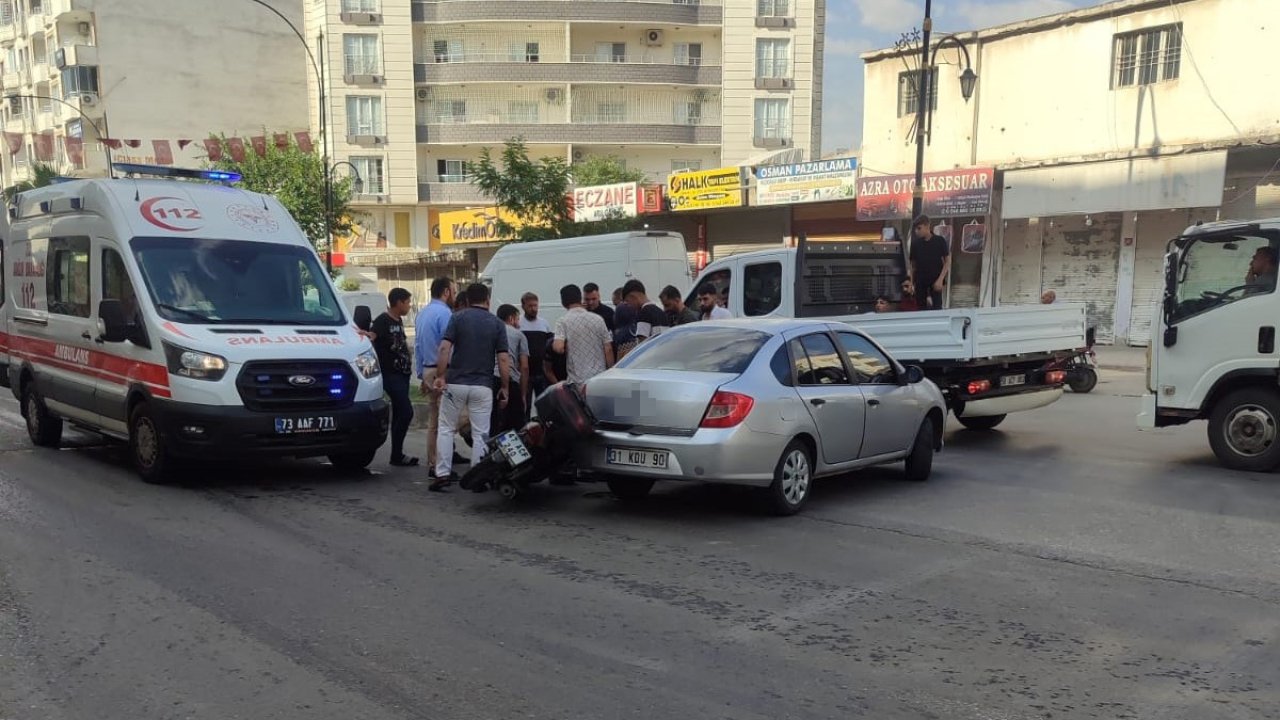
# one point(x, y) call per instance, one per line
point(283, 385)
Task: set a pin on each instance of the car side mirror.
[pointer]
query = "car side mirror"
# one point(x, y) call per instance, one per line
point(363, 317)
point(113, 326)
point(914, 374)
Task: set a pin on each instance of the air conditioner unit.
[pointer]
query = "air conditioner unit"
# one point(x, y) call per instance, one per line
point(653, 37)
point(83, 28)
point(555, 95)
point(423, 93)
point(578, 155)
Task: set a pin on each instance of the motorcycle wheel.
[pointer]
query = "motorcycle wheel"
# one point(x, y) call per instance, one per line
point(1082, 380)
point(480, 477)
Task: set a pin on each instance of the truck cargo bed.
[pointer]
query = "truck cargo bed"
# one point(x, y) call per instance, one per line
point(976, 334)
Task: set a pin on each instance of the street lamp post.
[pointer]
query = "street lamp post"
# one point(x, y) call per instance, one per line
point(94, 125)
point(358, 183)
point(924, 108)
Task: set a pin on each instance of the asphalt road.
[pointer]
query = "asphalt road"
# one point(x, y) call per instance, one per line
point(1066, 566)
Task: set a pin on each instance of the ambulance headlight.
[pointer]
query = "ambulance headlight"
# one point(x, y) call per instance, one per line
point(367, 364)
point(194, 364)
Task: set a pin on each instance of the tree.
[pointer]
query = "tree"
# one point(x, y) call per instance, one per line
point(296, 178)
point(604, 170)
point(536, 194)
point(42, 174)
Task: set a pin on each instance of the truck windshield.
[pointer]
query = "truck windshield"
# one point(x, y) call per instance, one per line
point(1222, 270)
point(205, 281)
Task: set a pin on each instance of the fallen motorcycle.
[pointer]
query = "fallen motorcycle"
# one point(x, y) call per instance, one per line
point(1081, 367)
point(516, 459)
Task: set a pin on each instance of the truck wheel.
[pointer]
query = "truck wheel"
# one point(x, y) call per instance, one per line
point(1242, 429)
point(352, 462)
point(920, 461)
point(44, 428)
point(792, 480)
point(146, 446)
point(1083, 380)
point(629, 489)
point(985, 422)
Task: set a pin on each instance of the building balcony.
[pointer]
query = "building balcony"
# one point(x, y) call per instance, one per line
point(69, 9)
point(450, 191)
point(74, 54)
point(8, 32)
point(11, 81)
point(459, 133)
point(581, 69)
point(670, 12)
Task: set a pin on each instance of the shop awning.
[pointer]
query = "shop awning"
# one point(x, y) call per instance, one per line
point(1156, 183)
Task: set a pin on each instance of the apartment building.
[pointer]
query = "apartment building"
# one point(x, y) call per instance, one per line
point(143, 70)
point(418, 89)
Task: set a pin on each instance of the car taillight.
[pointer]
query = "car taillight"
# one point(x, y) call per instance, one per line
point(1055, 377)
point(727, 409)
point(979, 386)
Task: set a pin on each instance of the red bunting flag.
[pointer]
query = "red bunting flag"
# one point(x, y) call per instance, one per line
point(304, 141)
point(235, 146)
point(182, 144)
point(75, 151)
point(259, 145)
point(133, 143)
point(14, 141)
point(282, 141)
point(44, 146)
point(164, 153)
point(213, 147)
point(112, 143)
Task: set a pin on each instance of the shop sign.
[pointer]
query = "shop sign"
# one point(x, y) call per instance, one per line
point(705, 189)
point(953, 193)
point(651, 199)
point(474, 226)
point(605, 202)
point(834, 179)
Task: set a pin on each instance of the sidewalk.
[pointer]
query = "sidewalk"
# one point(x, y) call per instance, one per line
point(1122, 357)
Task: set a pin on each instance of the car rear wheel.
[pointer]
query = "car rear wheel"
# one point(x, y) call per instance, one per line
point(986, 422)
point(44, 428)
point(920, 461)
point(629, 489)
point(1243, 429)
point(147, 448)
point(792, 479)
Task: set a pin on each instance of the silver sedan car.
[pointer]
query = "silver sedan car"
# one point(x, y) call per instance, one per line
point(766, 403)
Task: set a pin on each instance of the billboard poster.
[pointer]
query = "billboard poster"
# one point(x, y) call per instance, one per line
point(705, 189)
point(834, 179)
point(474, 226)
point(973, 238)
point(952, 193)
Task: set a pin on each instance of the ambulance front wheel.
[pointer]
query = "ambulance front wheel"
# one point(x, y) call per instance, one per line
point(147, 446)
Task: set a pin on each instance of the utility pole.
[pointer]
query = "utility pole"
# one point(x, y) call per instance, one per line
point(922, 112)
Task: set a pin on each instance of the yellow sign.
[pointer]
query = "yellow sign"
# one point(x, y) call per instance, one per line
point(474, 226)
point(705, 189)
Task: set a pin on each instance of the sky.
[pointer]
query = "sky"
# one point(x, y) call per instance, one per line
point(856, 26)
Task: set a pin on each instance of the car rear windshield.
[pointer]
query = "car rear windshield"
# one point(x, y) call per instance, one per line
point(698, 349)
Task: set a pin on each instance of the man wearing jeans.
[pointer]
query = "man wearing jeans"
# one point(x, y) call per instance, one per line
point(474, 338)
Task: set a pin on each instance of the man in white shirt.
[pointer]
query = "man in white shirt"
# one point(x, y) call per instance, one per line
point(583, 337)
point(709, 305)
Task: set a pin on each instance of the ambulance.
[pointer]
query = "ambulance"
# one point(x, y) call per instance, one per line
point(186, 317)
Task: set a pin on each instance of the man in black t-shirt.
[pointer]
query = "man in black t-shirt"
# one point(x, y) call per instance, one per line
point(397, 369)
point(930, 264)
point(651, 319)
point(591, 301)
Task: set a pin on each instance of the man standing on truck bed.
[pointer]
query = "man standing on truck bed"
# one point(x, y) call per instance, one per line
point(397, 367)
point(930, 264)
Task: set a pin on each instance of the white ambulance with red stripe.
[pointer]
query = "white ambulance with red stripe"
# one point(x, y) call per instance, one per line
point(191, 319)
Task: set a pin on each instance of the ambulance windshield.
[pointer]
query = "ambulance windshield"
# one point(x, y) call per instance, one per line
point(204, 281)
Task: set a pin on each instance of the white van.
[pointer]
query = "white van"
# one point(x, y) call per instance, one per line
point(655, 258)
point(191, 320)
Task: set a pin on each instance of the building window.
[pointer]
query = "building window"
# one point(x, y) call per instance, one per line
point(683, 165)
point(611, 112)
point(360, 6)
point(452, 171)
point(909, 92)
point(79, 80)
point(361, 55)
point(364, 115)
point(773, 119)
point(773, 8)
point(371, 172)
point(1147, 56)
point(688, 112)
point(773, 58)
point(67, 276)
point(688, 53)
point(529, 52)
point(449, 111)
point(447, 51)
point(522, 112)
point(611, 52)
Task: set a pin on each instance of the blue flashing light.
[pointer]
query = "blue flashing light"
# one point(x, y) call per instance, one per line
point(175, 172)
point(335, 391)
point(336, 378)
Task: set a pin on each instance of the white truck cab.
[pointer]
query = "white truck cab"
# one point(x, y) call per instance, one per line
point(1213, 352)
point(191, 320)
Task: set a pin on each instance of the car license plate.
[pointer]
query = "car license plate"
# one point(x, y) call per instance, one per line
point(513, 448)
point(1013, 380)
point(305, 425)
point(656, 459)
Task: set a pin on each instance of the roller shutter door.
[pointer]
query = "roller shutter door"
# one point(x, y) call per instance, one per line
point(1080, 264)
point(1020, 264)
point(1155, 230)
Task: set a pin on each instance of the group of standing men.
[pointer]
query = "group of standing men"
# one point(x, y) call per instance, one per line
point(485, 367)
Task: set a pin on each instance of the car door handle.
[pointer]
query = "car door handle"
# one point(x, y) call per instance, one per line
point(817, 401)
point(86, 335)
point(873, 403)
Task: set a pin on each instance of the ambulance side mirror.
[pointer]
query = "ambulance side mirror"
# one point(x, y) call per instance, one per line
point(113, 326)
point(363, 317)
